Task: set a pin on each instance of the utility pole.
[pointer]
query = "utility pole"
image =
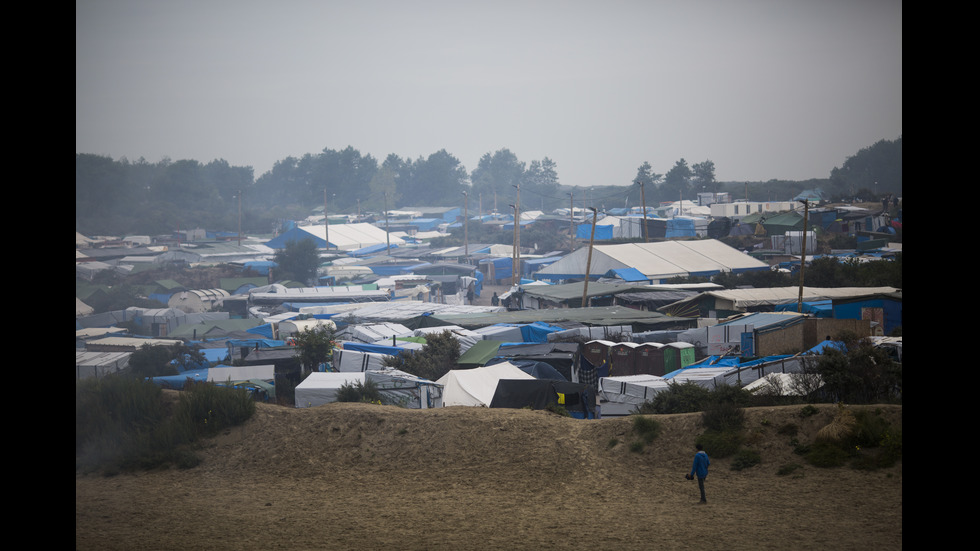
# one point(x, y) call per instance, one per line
point(806, 212)
point(387, 234)
point(588, 263)
point(239, 218)
point(643, 197)
point(517, 234)
point(466, 224)
point(326, 219)
point(571, 222)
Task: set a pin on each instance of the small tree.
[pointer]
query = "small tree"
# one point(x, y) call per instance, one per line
point(315, 346)
point(299, 260)
point(439, 355)
point(861, 373)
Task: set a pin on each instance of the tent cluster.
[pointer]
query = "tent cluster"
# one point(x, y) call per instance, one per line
point(599, 328)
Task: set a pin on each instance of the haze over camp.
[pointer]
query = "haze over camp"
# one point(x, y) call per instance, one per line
point(431, 275)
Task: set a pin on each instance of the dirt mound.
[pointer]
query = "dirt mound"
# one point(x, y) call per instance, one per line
point(353, 476)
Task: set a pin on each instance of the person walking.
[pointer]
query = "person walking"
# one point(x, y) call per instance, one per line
point(495, 300)
point(700, 469)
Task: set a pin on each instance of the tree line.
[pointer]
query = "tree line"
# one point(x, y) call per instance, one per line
point(115, 197)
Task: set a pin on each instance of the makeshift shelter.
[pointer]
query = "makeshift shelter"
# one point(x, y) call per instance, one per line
point(345, 237)
point(197, 300)
point(321, 388)
point(559, 355)
point(577, 399)
point(99, 364)
point(404, 389)
point(476, 387)
point(658, 261)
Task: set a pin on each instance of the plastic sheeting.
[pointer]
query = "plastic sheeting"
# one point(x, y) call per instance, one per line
point(322, 388)
point(476, 387)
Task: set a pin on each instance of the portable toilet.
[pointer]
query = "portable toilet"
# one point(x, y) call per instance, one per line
point(678, 355)
point(597, 351)
point(622, 359)
point(649, 359)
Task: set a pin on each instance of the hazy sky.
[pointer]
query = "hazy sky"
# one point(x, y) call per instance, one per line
point(783, 89)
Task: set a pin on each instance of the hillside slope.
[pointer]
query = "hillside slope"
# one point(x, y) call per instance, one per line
point(360, 476)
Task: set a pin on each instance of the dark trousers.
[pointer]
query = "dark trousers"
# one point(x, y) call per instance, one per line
point(701, 487)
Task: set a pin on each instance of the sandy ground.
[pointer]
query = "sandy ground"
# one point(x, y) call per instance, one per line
point(361, 476)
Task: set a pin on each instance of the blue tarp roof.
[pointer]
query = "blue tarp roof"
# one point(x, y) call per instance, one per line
point(297, 235)
point(371, 249)
point(628, 274)
point(602, 231)
point(373, 348)
point(819, 308)
point(177, 381)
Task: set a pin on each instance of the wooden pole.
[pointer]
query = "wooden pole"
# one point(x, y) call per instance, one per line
point(588, 263)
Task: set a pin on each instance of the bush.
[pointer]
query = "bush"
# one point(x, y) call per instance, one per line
point(720, 444)
point(723, 416)
point(358, 391)
point(646, 427)
point(788, 468)
point(826, 454)
point(124, 423)
point(745, 458)
point(685, 397)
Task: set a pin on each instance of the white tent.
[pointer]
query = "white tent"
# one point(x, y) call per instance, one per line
point(475, 387)
point(657, 261)
point(321, 388)
point(99, 364)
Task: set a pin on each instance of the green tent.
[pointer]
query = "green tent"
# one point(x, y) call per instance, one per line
point(479, 354)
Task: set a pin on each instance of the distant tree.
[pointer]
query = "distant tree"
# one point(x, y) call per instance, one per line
point(677, 182)
point(877, 169)
point(315, 346)
point(384, 185)
point(539, 188)
point(496, 174)
point(438, 179)
point(644, 186)
point(299, 260)
point(703, 176)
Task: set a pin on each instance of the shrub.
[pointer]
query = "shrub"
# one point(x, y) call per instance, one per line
point(745, 458)
point(788, 468)
point(358, 391)
point(684, 397)
point(723, 416)
point(720, 444)
point(788, 429)
point(647, 427)
point(124, 423)
point(826, 454)
point(808, 411)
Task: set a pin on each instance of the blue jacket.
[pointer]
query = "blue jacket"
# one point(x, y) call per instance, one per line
point(700, 466)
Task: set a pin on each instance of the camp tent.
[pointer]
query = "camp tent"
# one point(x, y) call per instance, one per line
point(476, 387)
point(322, 388)
point(405, 390)
point(577, 399)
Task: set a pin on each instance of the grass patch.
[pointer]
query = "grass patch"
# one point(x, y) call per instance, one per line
point(788, 469)
point(647, 428)
point(126, 423)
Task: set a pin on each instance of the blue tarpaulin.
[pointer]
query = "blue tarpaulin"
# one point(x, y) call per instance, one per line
point(602, 232)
